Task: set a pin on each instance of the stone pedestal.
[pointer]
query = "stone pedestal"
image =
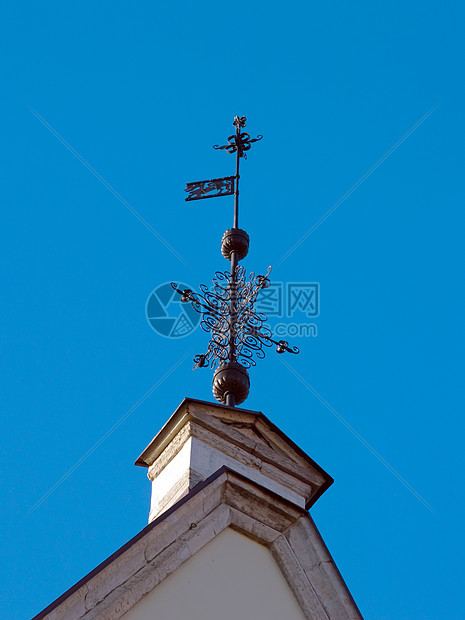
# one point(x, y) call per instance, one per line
point(201, 437)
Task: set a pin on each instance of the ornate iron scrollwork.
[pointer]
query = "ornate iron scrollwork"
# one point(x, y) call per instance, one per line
point(228, 313)
point(241, 142)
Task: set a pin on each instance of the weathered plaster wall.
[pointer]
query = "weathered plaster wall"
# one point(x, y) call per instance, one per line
point(231, 577)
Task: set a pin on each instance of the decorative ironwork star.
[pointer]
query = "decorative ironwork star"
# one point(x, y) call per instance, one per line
point(228, 313)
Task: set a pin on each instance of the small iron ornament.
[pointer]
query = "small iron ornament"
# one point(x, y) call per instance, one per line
point(239, 142)
point(239, 333)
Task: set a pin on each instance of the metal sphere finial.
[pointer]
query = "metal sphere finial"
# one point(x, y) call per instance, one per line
point(235, 240)
point(231, 383)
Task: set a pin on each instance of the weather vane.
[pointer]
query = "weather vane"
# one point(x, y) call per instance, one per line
point(238, 332)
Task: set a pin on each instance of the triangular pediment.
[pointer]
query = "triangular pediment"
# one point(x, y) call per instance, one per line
point(296, 560)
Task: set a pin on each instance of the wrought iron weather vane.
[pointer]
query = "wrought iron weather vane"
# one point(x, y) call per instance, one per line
point(238, 331)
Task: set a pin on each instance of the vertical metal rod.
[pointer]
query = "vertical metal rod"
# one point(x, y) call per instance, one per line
point(232, 309)
point(230, 400)
point(236, 192)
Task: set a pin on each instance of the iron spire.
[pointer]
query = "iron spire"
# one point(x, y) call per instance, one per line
point(238, 332)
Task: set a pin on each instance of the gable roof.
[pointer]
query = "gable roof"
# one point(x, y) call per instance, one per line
point(226, 499)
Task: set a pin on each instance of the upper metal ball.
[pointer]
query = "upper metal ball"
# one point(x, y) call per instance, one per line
point(235, 240)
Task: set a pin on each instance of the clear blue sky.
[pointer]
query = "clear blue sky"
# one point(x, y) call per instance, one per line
point(142, 91)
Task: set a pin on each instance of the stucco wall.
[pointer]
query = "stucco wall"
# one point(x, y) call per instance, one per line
point(231, 578)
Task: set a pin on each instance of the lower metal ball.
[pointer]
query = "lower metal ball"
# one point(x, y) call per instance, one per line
point(231, 378)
